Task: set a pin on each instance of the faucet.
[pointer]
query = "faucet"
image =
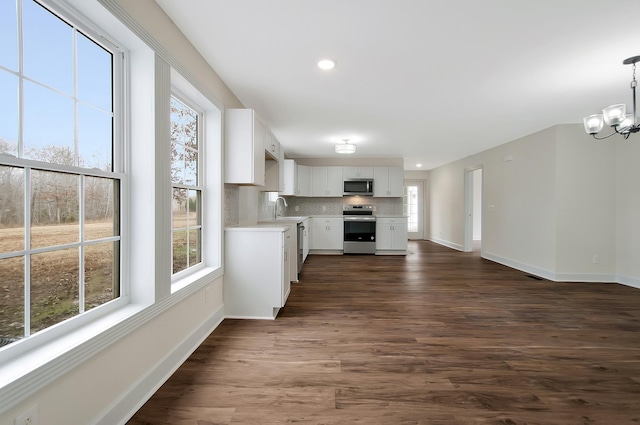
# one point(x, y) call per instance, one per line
point(275, 210)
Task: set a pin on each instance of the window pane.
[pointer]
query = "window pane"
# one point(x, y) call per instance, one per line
point(194, 247)
point(179, 207)
point(12, 299)
point(11, 209)
point(8, 112)
point(48, 125)
point(8, 35)
point(54, 208)
point(54, 287)
point(101, 200)
point(179, 251)
point(95, 138)
point(177, 163)
point(48, 48)
point(191, 167)
point(100, 274)
point(94, 74)
point(194, 208)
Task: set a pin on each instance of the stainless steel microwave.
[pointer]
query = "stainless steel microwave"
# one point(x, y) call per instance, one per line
point(362, 187)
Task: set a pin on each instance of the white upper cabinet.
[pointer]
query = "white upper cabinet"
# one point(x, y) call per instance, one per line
point(303, 180)
point(244, 147)
point(388, 182)
point(326, 181)
point(274, 164)
point(272, 146)
point(357, 172)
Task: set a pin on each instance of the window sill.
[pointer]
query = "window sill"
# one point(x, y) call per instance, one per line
point(30, 370)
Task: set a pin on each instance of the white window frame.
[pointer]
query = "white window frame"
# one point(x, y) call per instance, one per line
point(198, 186)
point(29, 365)
point(81, 25)
point(210, 179)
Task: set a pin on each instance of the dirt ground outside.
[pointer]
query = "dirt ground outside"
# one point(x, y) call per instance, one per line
point(55, 276)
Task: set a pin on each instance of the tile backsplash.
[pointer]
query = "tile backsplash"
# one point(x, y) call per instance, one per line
point(327, 206)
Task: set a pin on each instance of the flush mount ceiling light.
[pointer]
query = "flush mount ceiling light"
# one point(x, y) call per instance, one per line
point(326, 64)
point(345, 148)
point(616, 115)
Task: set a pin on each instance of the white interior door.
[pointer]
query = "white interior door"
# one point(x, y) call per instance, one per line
point(413, 208)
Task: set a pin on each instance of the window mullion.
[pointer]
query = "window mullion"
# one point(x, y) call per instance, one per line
point(27, 246)
point(81, 213)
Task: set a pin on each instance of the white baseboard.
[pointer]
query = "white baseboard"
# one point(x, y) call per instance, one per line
point(131, 401)
point(634, 282)
point(536, 271)
point(448, 244)
point(560, 277)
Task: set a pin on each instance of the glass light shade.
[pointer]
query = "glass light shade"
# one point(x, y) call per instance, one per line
point(345, 148)
point(626, 123)
point(593, 123)
point(614, 114)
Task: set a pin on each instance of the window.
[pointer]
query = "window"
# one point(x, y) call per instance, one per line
point(186, 201)
point(411, 207)
point(60, 177)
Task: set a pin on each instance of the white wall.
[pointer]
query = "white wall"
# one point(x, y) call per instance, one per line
point(113, 383)
point(628, 210)
point(586, 206)
point(552, 200)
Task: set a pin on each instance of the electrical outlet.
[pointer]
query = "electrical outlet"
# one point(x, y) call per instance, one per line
point(28, 417)
point(297, 208)
point(596, 258)
point(324, 208)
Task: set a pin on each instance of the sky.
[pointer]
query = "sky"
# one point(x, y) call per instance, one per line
point(48, 87)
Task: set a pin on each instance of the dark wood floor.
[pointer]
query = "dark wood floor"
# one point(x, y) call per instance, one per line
point(438, 337)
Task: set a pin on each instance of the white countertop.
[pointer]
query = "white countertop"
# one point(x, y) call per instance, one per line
point(259, 227)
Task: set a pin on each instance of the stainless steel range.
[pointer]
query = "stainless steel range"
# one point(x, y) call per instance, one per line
point(359, 229)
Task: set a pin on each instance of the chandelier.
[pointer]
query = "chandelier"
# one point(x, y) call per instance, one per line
point(345, 148)
point(616, 116)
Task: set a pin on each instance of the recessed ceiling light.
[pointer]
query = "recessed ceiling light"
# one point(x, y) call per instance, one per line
point(418, 165)
point(326, 64)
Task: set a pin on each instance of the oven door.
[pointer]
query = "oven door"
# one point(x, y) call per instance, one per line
point(360, 229)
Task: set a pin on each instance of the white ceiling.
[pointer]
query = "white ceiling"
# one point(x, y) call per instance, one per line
point(429, 81)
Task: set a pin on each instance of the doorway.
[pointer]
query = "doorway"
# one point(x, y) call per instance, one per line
point(413, 208)
point(473, 209)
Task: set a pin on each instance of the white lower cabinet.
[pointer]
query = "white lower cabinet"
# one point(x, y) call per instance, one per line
point(327, 233)
point(257, 277)
point(391, 235)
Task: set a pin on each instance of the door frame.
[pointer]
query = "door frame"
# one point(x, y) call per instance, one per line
point(468, 205)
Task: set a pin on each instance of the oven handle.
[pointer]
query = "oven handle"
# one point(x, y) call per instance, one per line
point(359, 218)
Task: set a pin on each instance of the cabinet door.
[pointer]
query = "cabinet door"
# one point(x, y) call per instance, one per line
point(350, 172)
point(244, 147)
point(286, 274)
point(271, 145)
point(396, 182)
point(335, 235)
point(318, 235)
point(380, 181)
point(399, 235)
point(383, 235)
point(319, 181)
point(258, 151)
point(357, 172)
point(289, 177)
point(303, 180)
point(334, 181)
